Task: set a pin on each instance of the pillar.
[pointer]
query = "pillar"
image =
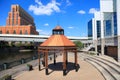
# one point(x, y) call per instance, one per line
point(66, 57)
point(43, 62)
point(95, 44)
point(118, 27)
point(76, 61)
point(46, 62)
point(39, 61)
point(64, 63)
point(118, 57)
point(102, 46)
point(102, 34)
point(54, 59)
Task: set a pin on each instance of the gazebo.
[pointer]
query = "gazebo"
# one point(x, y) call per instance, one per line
point(57, 42)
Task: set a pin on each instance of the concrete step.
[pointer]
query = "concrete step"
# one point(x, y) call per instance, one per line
point(102, 70)
point(110, 64)
point(112, 71)
point(109, 59)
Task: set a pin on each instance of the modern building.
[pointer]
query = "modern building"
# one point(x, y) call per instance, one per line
point(19, 22)
point(106, 26)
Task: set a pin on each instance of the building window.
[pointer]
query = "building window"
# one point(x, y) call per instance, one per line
point(13, 10)
point(90, 31)
point(108, 24)
point(7, 32)
point(20, 31)
point(17, 19)
point(98, 23)
point(26, 32)
point(115, 23)
point(14, 32)
point(0, 32)
point(108, 28)
point(13, 18)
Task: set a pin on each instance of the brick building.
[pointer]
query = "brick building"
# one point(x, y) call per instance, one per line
point(19, 22)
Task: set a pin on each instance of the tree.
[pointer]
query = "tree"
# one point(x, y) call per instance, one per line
point(79, 44)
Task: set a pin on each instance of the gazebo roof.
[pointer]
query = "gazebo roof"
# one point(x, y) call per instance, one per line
point(58, 41)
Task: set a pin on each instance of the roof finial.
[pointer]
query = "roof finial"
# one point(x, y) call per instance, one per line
point(57, 22)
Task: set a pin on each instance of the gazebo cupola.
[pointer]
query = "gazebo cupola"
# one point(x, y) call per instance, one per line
point(58, 31)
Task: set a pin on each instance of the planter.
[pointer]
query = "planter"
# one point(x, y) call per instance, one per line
point(6, 77)
point(30, 67)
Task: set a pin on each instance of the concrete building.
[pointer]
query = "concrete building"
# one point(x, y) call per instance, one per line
point(19, 22)
point(106, 26)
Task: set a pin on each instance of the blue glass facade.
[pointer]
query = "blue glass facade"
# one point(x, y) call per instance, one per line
point(115, 23)
point(108, 27)
point(90, 31)
point(110, 24)
point(98, 24)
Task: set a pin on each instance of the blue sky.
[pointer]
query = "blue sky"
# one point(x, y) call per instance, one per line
point(72, 15)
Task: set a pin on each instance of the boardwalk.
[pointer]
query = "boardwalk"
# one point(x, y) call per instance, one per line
point(85, 72)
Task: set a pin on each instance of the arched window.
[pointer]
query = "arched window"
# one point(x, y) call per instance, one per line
point(14, 32)
point(0, 32)
point(20, 31)
point(7, 32)
point(26, 32)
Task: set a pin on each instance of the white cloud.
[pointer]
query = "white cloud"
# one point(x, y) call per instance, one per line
point(43, 32)
point(81, 12)
point(48, 9)
point(39, 30)
point(93, 10)
point(68, 2)
point(46, 24)
point(70, 27)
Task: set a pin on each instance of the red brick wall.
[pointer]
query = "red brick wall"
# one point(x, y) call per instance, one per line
point(17, 29)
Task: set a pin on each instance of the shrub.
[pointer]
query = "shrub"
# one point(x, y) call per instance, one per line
point(30, 67)
point(6, 77)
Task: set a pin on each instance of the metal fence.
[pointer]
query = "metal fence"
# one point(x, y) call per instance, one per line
point(9, 65)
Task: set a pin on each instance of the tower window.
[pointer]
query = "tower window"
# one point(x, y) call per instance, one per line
point(0, 32)
point(26, 32)
point(14, 32)
point(7, 32)
point(20, 31)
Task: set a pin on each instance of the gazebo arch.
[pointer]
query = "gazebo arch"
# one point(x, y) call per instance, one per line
point(57, 42)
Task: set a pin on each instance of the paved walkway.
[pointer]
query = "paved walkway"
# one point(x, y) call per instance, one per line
point(85, 72)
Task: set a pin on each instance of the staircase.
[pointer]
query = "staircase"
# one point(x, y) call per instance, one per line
point(88, 48)
point(109, 69)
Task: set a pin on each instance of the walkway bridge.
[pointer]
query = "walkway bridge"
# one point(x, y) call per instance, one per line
point(37, 38)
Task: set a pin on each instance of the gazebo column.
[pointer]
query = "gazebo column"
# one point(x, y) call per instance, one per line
point(66, 57)
point(76, 61)
point(46, 62)
point(64, 63)
point(54, 59)
point(39, 61)
point(44, 59)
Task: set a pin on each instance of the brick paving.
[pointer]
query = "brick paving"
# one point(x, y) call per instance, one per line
point(85, 72)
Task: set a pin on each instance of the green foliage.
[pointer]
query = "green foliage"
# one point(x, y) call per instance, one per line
point(79, 44)
point(6, 77)
point(28, 65)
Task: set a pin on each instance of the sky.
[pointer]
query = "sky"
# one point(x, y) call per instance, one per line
point(71, 15)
